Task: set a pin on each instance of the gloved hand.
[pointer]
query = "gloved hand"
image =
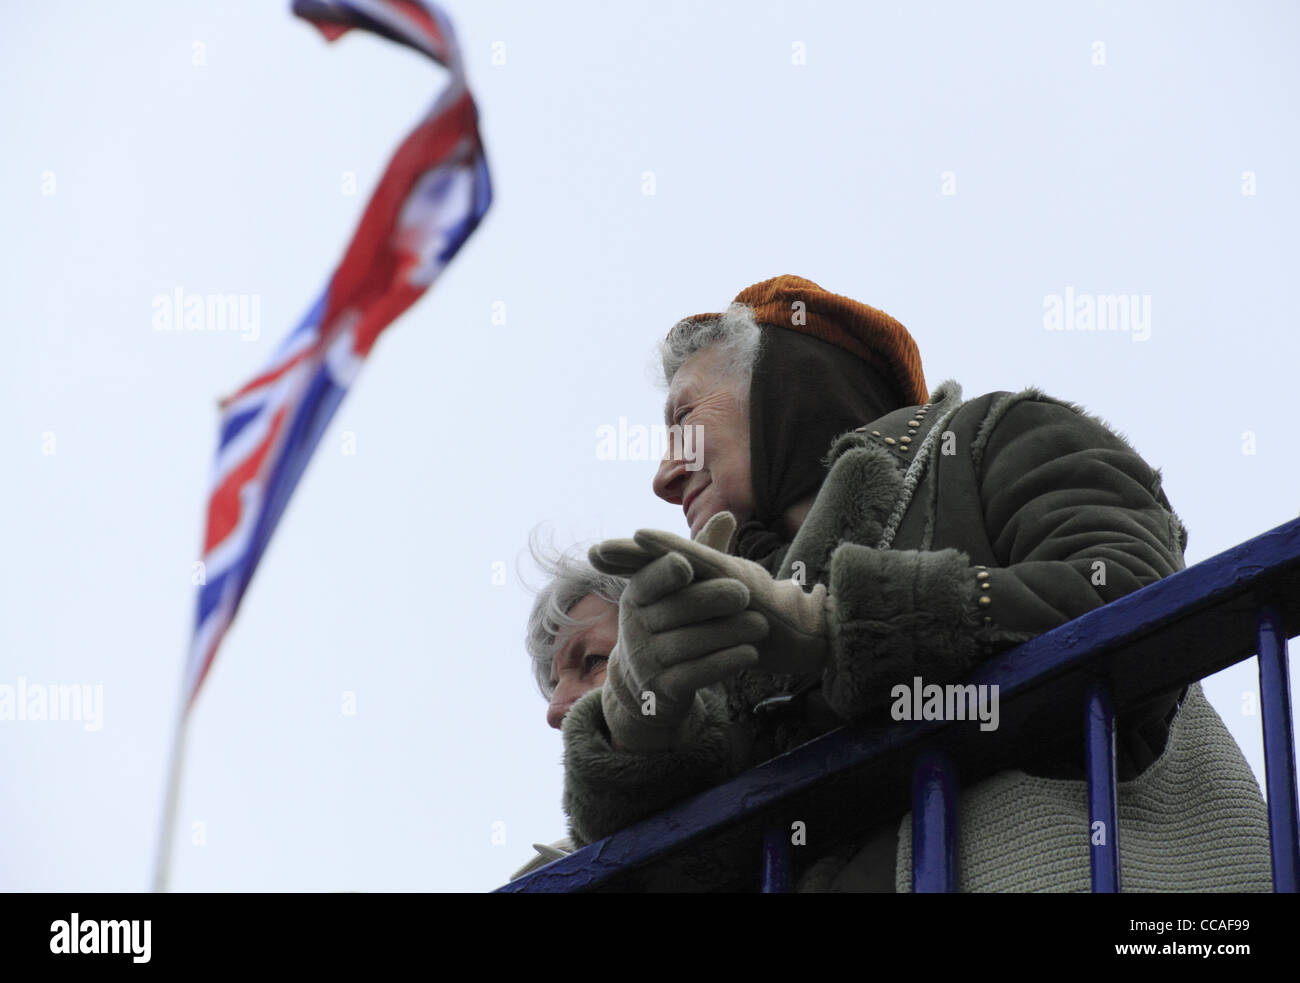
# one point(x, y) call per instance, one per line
point(674, 637)
point(624, 557)
point(797, 641)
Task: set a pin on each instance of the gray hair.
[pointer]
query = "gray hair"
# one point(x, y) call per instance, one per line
point(734, 332)
point(570, 579)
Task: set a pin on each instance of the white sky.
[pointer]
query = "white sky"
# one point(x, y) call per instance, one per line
point(225, 178)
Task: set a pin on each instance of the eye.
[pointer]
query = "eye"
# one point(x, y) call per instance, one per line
point(594, 663)
point(681, 415)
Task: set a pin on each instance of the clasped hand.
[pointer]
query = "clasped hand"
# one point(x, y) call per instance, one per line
point(691, 616)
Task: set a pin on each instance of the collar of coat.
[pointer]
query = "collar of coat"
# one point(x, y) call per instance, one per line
point(868, 487)
point(874, 472)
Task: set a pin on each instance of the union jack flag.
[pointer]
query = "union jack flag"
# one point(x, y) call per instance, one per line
point(433, 194)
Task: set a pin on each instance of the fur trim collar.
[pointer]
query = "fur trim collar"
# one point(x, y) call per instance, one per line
point(869, 487)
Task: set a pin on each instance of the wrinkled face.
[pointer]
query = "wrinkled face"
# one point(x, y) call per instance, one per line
point(583, 653)
point(703, 396)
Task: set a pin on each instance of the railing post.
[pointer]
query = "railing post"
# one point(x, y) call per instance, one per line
point(1103, 811)
point(1279, 750)
point(776, 861)
point(934, 825)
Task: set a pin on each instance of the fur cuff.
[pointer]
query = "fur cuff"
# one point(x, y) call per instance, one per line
point(897, 614)
point(606, 790)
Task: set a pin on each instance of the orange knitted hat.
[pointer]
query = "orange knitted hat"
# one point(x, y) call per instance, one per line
point(870, 334)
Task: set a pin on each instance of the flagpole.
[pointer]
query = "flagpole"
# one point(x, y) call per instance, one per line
point(162, 857)
point(406, 220)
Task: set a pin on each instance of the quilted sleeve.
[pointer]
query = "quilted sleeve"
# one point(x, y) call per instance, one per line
point(1076, 519)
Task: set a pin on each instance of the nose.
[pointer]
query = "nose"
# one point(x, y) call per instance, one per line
point(558, 708)
point(567, 691)
point(670, 478)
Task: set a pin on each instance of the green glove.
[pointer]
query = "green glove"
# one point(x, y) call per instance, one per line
point(798, 638)
point(674, 637)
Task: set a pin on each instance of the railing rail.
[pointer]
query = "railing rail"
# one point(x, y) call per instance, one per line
point(1169, 634)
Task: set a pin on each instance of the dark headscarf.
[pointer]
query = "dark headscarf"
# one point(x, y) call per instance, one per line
point(804, 393)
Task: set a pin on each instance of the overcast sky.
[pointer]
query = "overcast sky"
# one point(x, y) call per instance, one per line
point(956, 165)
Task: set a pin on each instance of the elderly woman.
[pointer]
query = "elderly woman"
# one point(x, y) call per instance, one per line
point(880, 533)
point(572, 629)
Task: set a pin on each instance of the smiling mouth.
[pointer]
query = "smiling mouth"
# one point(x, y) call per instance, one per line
point(690, 499)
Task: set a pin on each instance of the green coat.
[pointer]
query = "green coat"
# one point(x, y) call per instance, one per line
point(945, 534)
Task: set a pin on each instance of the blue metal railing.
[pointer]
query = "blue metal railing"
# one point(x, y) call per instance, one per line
point(1279, 748)
point(1103, 804)
point(735, 836)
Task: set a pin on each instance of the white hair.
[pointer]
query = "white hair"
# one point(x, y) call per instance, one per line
point(735, 333)
point(570, 579)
